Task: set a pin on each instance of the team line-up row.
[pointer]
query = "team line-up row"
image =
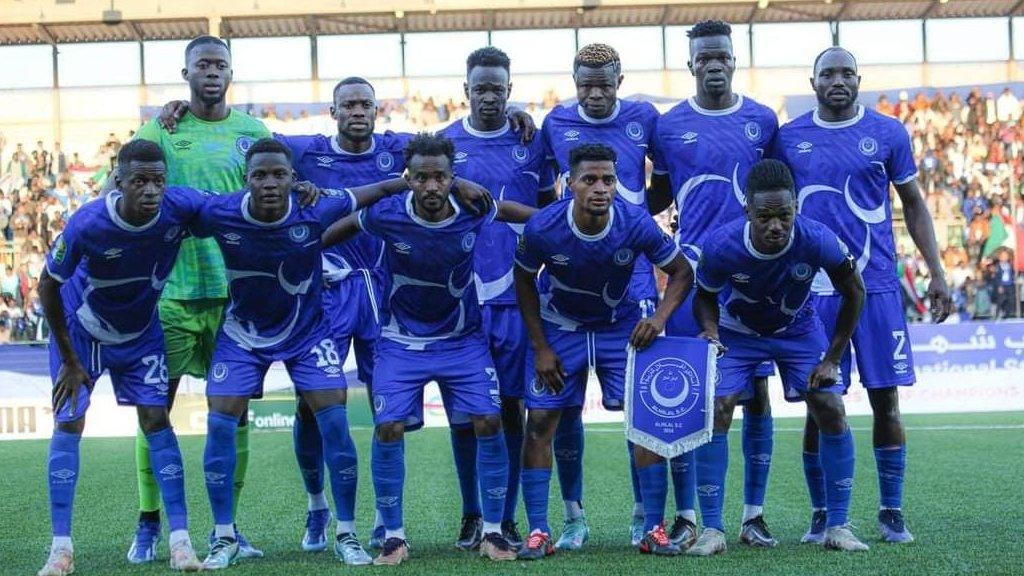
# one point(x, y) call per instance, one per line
point(447, 257)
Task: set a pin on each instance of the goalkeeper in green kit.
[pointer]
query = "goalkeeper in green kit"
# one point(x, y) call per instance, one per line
point(206, 152)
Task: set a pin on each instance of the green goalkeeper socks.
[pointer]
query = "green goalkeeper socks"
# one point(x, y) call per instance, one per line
point(241, 464)
point(149, 494)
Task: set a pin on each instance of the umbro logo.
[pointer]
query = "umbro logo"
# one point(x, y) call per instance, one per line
point(215, 478)
point(171, 470)
point(844, 484)
point(566, 453)
point(63, 475)
point(231, 238)
point(324, 161)
point(572, 135)
point(689, 137)
point(387, 501)
point(402, 247)
point(182, 145)
point(741, 278)
point(805, 147)
point(349, 473)
point(707, 490)
point(497, 492)
point(461, 157)
point(762, 459)
point(113, 253)
point(332, 371)
point(560, 259)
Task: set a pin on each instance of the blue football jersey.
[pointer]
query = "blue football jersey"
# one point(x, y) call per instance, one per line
point(273, 268)
point(320, 160)
point(586, 278)
point(629, 130)
point(769, 293)
point(113, 272)
point(499, 162)
point(842, 172)
point(429, 293)
point(707, 155)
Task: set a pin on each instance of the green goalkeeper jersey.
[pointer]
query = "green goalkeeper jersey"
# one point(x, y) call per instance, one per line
point(208, 156)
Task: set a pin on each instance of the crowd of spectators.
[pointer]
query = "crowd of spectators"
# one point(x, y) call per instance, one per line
point(38, 192)
point(970, 154)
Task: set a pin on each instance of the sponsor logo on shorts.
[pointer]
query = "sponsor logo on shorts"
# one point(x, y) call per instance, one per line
point(379, 403)
point(538, 387)
point(901, 367)
point(669, 387)
point(219, 371)
point(332, 371)
point(635, 131)
point(623, 256)
point(752, 130)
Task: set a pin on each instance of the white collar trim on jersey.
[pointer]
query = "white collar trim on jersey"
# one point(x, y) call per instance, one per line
point(708, 112)
point(120, 222)
point(840, 124)
point(251, 220)
point(611, 117)
point(590, 237)
point(485, 133)
point(411, 211)
point(339, 150)
point(760, 256)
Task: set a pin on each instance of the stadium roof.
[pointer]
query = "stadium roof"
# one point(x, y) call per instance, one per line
point(67, 21)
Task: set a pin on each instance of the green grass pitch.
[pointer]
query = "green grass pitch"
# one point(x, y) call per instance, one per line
point(963, 502)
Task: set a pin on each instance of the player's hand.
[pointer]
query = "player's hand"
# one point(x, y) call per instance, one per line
point(472, 196)
point(70, 379)
point(826, 373)
point(520, 121)
point(941, 302)
point(549, 369)
point(309, 194)
point(720, 348)
point(646, 330)
point(171, 113)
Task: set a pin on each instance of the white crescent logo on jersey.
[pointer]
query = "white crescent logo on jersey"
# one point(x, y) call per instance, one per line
point(172, 233)
point(298, 233)
point(520, 153)
point(385, 161)
point(219, 371)
point(623, 256)
point(868, 146)
point(752, 130)
point(802, 272)
point(635, 131)
point(468, 241)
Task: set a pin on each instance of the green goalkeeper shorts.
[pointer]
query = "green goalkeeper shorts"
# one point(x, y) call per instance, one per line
point(190, 331)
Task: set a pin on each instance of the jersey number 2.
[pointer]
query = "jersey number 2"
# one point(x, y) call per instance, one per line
point(898, 352)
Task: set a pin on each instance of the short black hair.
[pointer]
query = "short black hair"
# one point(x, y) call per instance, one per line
point(202, 41)
point(768, 176)
point(488, 56)
point(430, 144)
point(814, 67)
point(706, 28)
point(350, 81)
point(591, 153)
point(267, 146)
point(140, 151)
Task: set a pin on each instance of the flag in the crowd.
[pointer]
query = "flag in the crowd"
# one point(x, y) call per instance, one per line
point(906, 275)
point(1018, 264)
point(670, 395)
point(1001, 234)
